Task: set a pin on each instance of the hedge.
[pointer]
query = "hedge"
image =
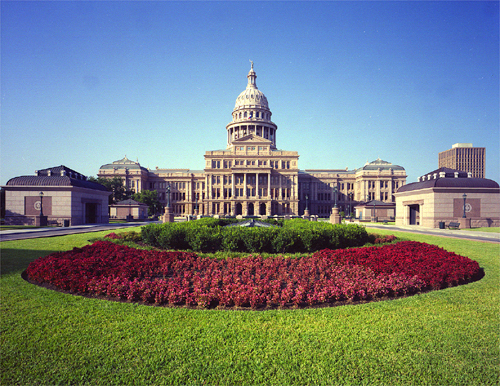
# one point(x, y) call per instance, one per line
point(297, 235)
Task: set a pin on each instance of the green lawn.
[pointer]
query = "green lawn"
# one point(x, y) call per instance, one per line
point(448, 337)
point(491, 229)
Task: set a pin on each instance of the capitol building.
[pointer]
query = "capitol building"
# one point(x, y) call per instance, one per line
point(253, 177)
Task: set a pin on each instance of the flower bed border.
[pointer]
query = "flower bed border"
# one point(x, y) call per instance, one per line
point(341, 256)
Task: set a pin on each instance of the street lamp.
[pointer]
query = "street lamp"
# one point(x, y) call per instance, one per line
point(349, 206)
point(168, 195)
point(335, 190)
point(464, 196)
point(41, 204)
point(307, 202)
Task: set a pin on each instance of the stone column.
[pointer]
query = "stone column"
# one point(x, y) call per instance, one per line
point(335, 217)
point(257, 185)
point(245, 186)
point(465, 223)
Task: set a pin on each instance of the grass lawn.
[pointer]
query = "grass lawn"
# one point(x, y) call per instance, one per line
point(448, 337)
point(491, 229)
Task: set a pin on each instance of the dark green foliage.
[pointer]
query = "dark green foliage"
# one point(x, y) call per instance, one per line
point(258, 239)
point(203, 239)
point(234, 240)
point(115, 186)
point(297, 235)
point(150, 198)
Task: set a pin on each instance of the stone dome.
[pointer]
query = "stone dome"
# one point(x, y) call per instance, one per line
point(251, 96)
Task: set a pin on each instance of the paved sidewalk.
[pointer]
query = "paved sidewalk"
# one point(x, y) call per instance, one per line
point(456, 233)
point(31, 233)
point(20, 234)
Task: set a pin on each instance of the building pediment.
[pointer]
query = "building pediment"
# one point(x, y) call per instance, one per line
point(251, 138)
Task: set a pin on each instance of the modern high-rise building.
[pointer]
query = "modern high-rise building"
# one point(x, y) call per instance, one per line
point(251, 176)
point(464, 157)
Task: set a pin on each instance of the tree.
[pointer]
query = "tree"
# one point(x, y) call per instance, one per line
point(150, 198)
point(115, 186)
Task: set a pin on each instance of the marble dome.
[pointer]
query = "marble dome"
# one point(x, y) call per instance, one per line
point(251, 96)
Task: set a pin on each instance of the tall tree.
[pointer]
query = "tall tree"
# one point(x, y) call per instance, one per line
point(150, 198)
point(116, 186)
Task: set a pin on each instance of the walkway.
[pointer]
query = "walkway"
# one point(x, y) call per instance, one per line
point(31, 233)
point(455, 233)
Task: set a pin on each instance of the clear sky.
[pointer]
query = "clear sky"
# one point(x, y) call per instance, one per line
point(86, 83)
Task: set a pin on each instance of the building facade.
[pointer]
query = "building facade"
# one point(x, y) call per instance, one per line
point(252, 177)
point(446, 195)
point(60, 195)
point(464, 157)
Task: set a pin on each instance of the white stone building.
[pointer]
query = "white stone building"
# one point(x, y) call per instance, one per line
point(252, 176)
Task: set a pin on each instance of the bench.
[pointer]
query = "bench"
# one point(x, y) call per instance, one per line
point(385, 222)
point(454, 225)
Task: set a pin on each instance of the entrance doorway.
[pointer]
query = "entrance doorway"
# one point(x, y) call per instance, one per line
point(262, 210)
point(90, 213)
point(239, 210)
point(250, 209)
point(414, 214)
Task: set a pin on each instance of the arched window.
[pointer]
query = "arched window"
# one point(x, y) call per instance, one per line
point(245, 114)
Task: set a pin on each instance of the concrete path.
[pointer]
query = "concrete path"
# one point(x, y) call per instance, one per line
point(456, 233)
point(20, 234)
point(31, 233)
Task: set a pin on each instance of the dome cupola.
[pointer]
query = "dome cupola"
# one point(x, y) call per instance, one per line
point(251, 114)
point(251, 96)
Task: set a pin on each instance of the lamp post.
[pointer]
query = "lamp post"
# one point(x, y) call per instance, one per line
point(43, 219)
point(168, 195)
point(41, 204)
point(168, 216)
point(464, 196)
point(335, 217)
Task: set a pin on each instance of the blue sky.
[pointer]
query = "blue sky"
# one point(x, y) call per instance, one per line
point(86, 83)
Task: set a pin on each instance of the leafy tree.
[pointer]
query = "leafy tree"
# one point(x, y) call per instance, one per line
point(116, 186)
point(150, 198)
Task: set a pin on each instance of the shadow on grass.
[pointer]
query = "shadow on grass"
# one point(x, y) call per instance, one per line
point(17, 260)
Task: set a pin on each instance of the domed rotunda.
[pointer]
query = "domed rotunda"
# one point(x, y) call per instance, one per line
point(251, 115)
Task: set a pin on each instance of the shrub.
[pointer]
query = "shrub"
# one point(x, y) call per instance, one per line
point(203, 238)
point(296, 235)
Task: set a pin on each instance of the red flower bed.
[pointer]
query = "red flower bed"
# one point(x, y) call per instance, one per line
point(181, 278)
